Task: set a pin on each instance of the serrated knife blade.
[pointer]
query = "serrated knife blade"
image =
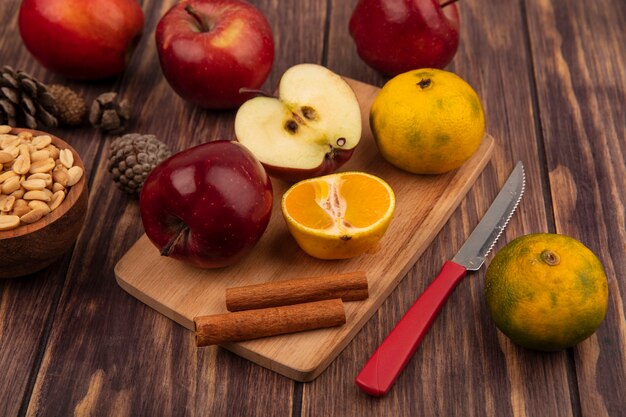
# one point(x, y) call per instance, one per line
point(386, 363)
point(478, 245)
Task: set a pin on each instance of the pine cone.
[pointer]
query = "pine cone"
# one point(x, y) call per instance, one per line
point(71, 106)
point(132, 157)
point(109, 113)
point(25, 101)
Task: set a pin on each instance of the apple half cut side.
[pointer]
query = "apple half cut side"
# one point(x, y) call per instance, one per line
point(310, 129)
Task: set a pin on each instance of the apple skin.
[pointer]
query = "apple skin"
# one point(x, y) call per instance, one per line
point(331, 163)
point(81, 39)
point(396, 36)
point(216, 197)
point(208, 68)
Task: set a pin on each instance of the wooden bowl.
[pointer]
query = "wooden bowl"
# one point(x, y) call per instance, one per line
point(32, 247)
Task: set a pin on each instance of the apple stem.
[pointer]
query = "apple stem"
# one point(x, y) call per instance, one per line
point(203, 20)
point(244, 90)
point(447, 3)
point(167, 249)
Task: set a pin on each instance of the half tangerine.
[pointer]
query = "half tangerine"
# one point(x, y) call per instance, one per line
point(338, 216)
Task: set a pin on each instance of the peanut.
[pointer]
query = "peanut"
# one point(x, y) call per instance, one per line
point(61, 177)
point(37, 195)
point(6, 175)
point(53, 151)
point(13, 150)
point(18, 193)
point(20, 203)
point(57, 199)
point(43, 166)
point(27, 136)
point(47, 192)
point(47, 178)
point(33, 215)
point(7, 204)
point(34, 184)
point(42, 141)
point(9, 222)
point(74, 175)
point(20, 209)
point(9, 141)
point(34, 177)
point(57, 187)
point(5, 157)
point(24, 150)
point(39, 155)
point(21, 165)
point(36, 204)
point(10, 185)
point(67, 158)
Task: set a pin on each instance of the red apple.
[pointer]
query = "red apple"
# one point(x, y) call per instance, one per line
point(310, 129)
point(207, 205)
point(209, 49)
point(396, 36)
point(81, 39)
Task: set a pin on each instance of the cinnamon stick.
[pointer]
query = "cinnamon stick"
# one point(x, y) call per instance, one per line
point(253, 324)
point(349, 287)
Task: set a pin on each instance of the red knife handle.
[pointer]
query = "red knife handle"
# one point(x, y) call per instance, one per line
point(382, 369)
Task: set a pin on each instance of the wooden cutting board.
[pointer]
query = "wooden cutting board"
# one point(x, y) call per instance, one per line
point(424, 204)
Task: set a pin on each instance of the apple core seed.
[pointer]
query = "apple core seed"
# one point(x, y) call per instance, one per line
point(291, 126)
point(309, 113)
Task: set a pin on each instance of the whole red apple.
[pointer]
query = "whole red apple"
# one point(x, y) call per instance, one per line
point(396, 36)
point(209, 49)
point(207, 205)
point(81, 39)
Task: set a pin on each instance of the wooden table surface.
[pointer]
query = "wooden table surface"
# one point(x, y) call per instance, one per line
point(552, 78)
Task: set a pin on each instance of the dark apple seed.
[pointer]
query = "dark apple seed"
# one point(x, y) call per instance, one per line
point(291, 126)
point(309, 113)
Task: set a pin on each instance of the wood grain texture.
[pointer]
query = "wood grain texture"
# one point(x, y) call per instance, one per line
point(580, 70)
point(25, 308)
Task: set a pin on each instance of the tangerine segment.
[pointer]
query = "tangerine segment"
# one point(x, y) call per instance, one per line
point(369, 201)
point(338, 216)
point(304, 207)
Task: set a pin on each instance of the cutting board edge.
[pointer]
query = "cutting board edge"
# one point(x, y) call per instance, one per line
point(146, 299)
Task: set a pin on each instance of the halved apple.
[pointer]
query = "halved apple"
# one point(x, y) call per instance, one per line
point(310, 129)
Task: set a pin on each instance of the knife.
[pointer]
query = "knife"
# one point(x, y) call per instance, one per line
point(382, 369)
